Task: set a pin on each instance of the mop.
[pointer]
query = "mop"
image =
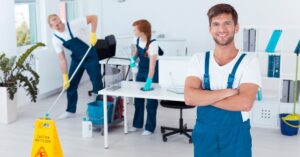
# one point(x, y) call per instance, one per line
point(63, 90)
point(294, 116)
point(45, 140)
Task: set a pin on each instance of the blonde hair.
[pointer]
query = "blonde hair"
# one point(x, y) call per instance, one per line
point(50, 17)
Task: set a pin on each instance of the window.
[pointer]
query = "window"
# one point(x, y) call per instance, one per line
point(67, 9)
point(25, 21)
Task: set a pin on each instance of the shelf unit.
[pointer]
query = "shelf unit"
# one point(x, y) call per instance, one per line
point(265, 113)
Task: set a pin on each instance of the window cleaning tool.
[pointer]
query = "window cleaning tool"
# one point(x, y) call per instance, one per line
point(62, 91)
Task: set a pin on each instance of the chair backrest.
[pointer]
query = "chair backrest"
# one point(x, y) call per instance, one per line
point(112, 44)
point(106, 48)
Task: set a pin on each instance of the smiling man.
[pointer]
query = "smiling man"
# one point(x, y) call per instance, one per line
point(223, 84)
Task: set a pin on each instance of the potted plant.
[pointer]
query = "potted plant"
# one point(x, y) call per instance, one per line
point(16, 72)
point(289, 123)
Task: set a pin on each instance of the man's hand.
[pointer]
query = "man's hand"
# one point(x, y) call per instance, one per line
point(93, 39)
point(66, 84)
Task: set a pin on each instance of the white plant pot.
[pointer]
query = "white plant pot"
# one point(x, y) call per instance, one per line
point(8, 108)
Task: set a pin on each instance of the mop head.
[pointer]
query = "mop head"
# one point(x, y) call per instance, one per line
point(292, 117)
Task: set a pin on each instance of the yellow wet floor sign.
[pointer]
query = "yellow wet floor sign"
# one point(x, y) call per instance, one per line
point(45, 141)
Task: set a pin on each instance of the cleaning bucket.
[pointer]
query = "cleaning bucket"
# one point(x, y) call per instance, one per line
point(287, 129)
point(95, 112)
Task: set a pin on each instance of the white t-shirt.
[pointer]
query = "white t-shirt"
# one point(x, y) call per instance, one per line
point(247, 72)
point(153, 47)
point(79, 29)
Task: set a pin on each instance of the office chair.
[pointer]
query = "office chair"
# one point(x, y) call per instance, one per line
point(182, 127)
point(106, 48)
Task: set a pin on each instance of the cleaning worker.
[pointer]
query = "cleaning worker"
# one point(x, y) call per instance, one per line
point(147, 52)
point(71, 36)
point(223, 84)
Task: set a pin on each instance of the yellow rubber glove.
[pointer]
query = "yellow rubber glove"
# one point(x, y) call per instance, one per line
point(66, 81)
point(93, 39)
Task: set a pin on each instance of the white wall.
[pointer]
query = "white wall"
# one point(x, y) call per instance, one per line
point(187, 19)
point(8, 32)
point(176, 19)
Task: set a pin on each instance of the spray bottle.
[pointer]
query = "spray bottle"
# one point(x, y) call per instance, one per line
point(87, 128)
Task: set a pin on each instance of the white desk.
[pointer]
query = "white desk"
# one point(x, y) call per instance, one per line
point(132, 89)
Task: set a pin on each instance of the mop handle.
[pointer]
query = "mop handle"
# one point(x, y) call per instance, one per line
point(62, 91)
point(296, 84)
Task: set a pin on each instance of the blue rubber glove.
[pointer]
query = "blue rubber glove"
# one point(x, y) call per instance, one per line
point(148, 83)
point(132, 61)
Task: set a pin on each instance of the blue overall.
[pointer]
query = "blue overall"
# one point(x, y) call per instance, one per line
point(90, 64)
point(218, 132)
point(151, 107)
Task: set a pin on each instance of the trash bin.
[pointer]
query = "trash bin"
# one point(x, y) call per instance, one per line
point(113, 76)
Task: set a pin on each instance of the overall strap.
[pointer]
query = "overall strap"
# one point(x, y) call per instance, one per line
point(137, 42)
point(206, 73)
point(70, 30)
point(232, 74)
point(152, 41)
point(60, 38)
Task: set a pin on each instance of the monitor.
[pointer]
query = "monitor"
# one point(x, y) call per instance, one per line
point(172, 71)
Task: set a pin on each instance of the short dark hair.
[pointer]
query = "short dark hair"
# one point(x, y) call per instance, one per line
point(222, 9)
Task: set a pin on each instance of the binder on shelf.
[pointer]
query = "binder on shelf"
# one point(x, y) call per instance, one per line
point(276, 68)
point(291, 91)
point(252, 39)
point(246, 40)
point(249, 40)
point(273, 41)
point(285, 91)
point(271, 66)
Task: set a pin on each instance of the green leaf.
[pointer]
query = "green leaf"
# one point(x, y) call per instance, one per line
point(19, 74)
point(24, 56)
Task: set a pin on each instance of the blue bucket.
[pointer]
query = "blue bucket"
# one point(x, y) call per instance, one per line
point(288, 130)
point(95, 112)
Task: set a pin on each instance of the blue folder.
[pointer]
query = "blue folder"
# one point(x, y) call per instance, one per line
point(297, 50)
point(273, 41)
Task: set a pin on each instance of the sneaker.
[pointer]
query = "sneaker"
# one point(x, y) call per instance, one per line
point(66, 115)
point(146, 133)
point(133, 129)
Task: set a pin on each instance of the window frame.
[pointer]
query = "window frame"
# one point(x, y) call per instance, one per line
point(33, 21)
point(70, 7)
